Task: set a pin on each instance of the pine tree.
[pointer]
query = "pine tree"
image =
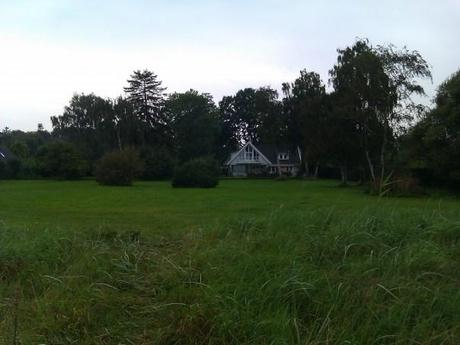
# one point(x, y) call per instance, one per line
point(147, 97)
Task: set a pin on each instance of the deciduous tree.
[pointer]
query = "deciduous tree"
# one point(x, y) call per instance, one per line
point(194, 123)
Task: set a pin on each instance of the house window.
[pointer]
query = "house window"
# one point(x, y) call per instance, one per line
point(283, 156)
point(248, 153)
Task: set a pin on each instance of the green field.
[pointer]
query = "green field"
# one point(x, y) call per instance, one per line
point(249, 262)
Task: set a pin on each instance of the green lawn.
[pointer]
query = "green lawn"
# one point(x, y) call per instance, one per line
point(251, 262)
point(153, 206)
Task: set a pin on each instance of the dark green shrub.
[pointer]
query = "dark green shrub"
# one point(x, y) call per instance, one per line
point(20, 149)
point(2, 168)
point(199, 172)
point(119, 168)
point(10, 168)
point(60, 160)
point(13, 168)
point(29, 168)
point(158, 163)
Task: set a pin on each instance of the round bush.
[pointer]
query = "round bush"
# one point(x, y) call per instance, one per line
point(199, 172)
point(118, 168)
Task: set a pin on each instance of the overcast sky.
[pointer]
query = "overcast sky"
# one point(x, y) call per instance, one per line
point(50, 49)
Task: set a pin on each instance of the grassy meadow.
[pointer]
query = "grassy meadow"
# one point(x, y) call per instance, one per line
point(249, 262)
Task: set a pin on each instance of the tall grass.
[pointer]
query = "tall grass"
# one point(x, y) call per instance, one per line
point(376, 276)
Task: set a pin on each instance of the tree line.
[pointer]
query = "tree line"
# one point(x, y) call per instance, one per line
point(366, 126)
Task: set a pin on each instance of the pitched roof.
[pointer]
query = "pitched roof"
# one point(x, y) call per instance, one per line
point(271, 151)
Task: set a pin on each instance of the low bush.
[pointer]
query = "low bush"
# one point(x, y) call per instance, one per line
point(119, 168)
point(199, 172)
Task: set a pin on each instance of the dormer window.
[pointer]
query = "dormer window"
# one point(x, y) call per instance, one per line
point(283, 156)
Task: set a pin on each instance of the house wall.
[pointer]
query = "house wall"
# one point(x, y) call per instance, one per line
point(289, 170)
point(244, 170)
point(238, 170)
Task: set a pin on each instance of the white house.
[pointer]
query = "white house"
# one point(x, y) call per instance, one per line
point(262, 159)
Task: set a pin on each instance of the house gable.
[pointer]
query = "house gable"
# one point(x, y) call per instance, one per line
point(249, 154)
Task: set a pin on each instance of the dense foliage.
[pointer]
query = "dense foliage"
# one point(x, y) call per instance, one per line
point(10, 168)
point(119, 168)
point(432, 146)
point(158, 162)
point(195, 124)
point(60, 160)
point(359, 130)
point(198, 172)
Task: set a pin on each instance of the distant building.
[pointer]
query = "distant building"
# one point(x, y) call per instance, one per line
point(261, 159)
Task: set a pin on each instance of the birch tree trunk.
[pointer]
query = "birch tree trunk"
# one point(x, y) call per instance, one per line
point(307, 169)
point(382, 151)
point(371, 166)
point(344, 175)
point(117, 131)
point(316, 171)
